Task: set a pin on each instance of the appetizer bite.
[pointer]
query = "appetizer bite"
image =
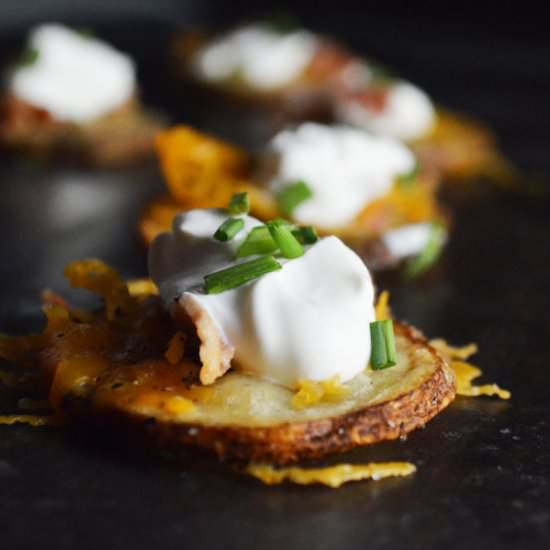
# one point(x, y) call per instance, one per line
point(301, 75)
point(267, 356)
point(258, 62)
point(368, 190)
point(73, 95)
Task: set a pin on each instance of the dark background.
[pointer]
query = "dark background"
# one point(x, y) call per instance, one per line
point(483, 471)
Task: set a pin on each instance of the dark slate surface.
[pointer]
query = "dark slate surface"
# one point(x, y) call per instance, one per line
point(483, 471)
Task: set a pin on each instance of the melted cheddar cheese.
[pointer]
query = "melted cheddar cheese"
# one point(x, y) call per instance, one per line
point(33, 420)
point(332, 476)
point(382, 308)
point(311, 392)
point(464, 372)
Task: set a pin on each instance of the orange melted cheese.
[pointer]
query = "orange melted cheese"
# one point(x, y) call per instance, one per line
point(33, 420)
point(382, 308)
point(311, 392)
point(332, 476)
point(142, 287)
point(464, 372)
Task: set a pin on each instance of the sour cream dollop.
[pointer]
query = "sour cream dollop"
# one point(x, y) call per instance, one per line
point(309, 320)
point(263, 58)
point(346, 169)
point(408, 113)
point(407, 240)
point(75, 78)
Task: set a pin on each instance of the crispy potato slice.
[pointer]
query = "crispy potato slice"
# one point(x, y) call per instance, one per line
point(239, 416)
point(203, 172)
point(122, 137)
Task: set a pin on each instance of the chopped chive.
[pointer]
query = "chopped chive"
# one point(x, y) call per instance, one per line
point(429, 254)
point(239, 204)
point(292, 196)
point(258, 241)
point(382, 341)
point(228, 229)
point(29, 56)
point(306, 234)
point(406, 180)
point(238, 275)
point(287, 242)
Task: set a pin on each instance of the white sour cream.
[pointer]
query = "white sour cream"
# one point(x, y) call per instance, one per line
point(75, 78)
point(263, 58)
point(407, 115)
point(407, 240)
point(346, 168)
point(308, 320)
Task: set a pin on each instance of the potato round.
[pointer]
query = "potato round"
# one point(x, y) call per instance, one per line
point(245, 418)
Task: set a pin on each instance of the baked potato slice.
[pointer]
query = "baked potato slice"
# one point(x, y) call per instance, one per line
point(203, 172)
point(120, 138)
point(242, 417)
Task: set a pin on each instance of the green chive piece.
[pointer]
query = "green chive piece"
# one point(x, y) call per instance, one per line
point(288, 244)
point(382, 341)
point(306, 234)
point(292, 196)
point(29, 56)
point(240, 274)
point(430, 253)
point(239, 204)
point(408, 179)
point(258, 241)
point(228, 229)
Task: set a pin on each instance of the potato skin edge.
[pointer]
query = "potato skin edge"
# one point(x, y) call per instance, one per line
point(291, 442)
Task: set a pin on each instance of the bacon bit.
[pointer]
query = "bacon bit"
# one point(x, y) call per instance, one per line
point(215, 352)
point(176, 348)
point(329, 61)
point(373, 99)
point(50, 297)
point(332, 476)
point(382, 308)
